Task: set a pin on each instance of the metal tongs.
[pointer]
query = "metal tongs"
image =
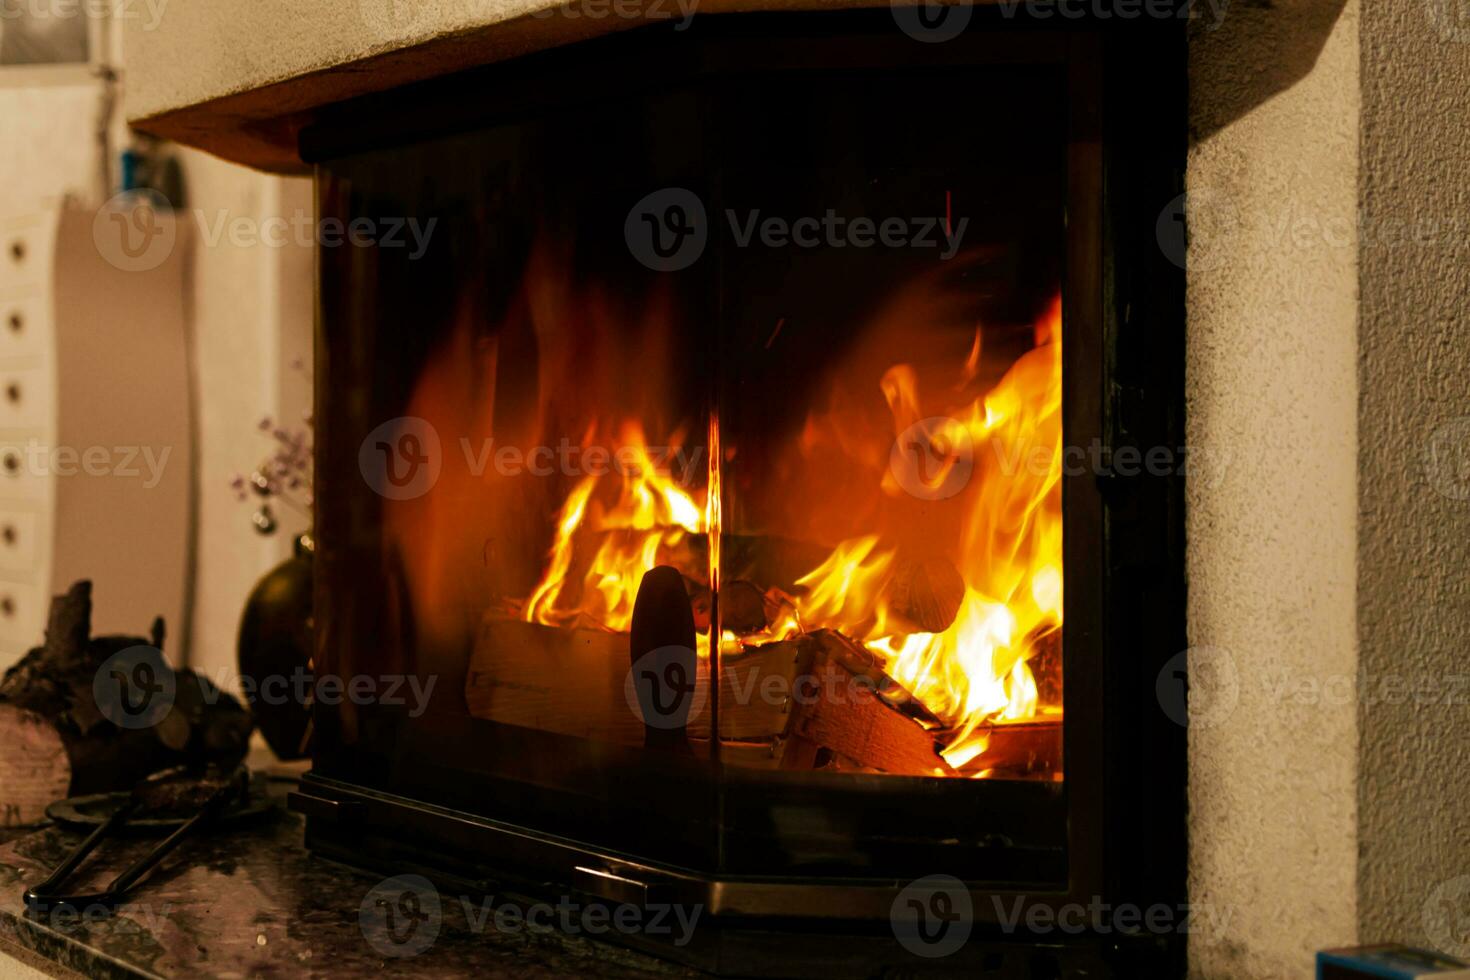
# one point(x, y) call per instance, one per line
point(45, 897)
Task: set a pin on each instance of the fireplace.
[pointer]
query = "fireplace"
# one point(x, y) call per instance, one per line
point(732, 448)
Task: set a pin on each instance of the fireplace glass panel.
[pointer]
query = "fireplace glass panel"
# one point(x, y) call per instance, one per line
point(520, 407)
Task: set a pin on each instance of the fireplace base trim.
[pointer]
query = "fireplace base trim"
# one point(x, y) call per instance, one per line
point(352, 821)
point(748, 927)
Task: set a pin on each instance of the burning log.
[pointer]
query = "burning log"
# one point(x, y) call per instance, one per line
point(1020, 749)
point(1046, 666)
point(926, 593)
point(568, 681)
point(742, 608)
point(750, 558)
point(845, 712)
point(818, 700)
point(60, 742)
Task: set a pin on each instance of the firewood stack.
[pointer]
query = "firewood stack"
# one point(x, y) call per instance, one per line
point(817, 700)
point(58, 740)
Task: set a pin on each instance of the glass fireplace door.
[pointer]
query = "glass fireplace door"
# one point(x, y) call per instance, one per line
point(704, 456)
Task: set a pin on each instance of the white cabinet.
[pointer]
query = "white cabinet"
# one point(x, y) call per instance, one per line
point(95, 451)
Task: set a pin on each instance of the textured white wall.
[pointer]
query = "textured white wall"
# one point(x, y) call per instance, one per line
point(48, 145)
point(241, 46)
point(1272, 395)
point(1414, 492)
point(252, 317)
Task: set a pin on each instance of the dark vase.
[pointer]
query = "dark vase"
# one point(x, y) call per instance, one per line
point(275, 652)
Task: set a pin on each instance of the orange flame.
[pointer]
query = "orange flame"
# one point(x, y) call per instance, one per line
point(471, 538)
point(975, 673)
point(712, 502)
point(627, 537)
point(972, 675)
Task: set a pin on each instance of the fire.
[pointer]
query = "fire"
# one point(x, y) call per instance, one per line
point(974, 674)
point(712, 502)
point(627, 533)
point(567, 355)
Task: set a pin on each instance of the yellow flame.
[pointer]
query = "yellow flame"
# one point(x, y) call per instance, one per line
point(626, 538)
point(976, 673)
point(712, 502)
point(973, 675)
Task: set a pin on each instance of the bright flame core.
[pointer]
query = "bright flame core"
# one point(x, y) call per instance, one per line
point(626, 538)
point(976, 672)
point(973, 675)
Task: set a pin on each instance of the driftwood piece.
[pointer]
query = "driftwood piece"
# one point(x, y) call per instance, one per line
point(34, 771)
point(60, 742)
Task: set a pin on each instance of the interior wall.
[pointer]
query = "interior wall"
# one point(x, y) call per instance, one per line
point(49, 151)
point(49, 145)
point(1272, 397)
point(1414, 491)
point(250, 325)
point(252, 329)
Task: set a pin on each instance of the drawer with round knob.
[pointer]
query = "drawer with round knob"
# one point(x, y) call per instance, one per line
point(25, 326)
point(22, 615)
point(20, 532)
point(26, 468)
point(93, 392)
point(25, 398)
point(25, 248)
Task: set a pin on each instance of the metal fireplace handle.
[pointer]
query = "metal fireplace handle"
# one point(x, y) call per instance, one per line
point(619, 885)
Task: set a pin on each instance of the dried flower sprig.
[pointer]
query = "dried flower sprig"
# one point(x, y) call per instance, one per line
point(284, 477)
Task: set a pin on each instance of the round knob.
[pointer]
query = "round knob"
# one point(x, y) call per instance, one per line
point(12, 392)
point(7, 606)
point(18, 250)
point(9, 534)
point(12, 462)
point(16, 322)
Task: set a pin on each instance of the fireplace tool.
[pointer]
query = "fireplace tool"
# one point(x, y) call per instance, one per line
point(182, 801)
